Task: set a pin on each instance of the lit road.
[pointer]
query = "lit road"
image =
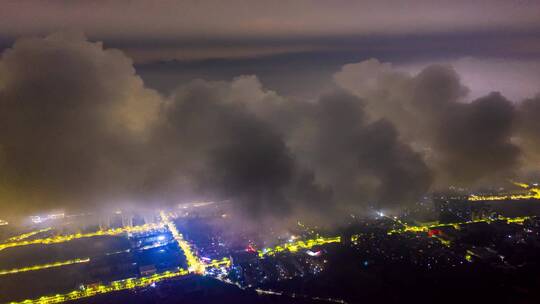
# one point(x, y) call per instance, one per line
point(44, 266)
point(70, 237)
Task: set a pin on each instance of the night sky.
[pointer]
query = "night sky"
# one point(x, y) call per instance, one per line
point(286, 108)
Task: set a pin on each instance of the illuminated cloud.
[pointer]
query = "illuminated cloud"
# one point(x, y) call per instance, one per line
point(79, 129)
point(464, 143)
point(72, 113)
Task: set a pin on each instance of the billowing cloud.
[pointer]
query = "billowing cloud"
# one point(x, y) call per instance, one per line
point(516, 79)
point(465, 143)
point(71, 115)
point(363, 162)
point(528, 132)
point(209, 145)
point(473, 141)
point(79, 129)
point(237, 141)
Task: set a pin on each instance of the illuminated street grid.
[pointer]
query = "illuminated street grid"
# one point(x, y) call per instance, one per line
point(195, 265)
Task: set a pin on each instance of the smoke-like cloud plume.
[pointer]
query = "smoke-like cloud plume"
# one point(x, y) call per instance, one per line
point(73, 117)
point(527, 129)
point(79, 129)
point(463, 143)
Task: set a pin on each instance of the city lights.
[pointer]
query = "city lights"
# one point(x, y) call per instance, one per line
point(194, 264)
point(202, 266)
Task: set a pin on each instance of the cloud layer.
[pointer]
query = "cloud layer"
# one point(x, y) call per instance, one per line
point(79, 129)
point(465, 142)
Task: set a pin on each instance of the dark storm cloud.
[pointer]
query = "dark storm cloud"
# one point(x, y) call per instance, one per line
point(275, 156)
point(360, 160)
point(216, 149)
point(465, 143)
point(79, 129)
point(474, 141)
point(528, 131)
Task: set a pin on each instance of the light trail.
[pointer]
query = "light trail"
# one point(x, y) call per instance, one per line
point(295, 246)
point(70, 237)
point(93, 290)
point(194, 264)
point(44, 266)
point(297, 295)
point(268, 292)
point(26, 235)
point(521, 185)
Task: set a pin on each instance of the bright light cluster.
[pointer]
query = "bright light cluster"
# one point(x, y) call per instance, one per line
point(67, 238)
point(37, 219)
point(469, 256)
point(44, 266)
point(355, 238)
point(194, 264)
point(295, 246)
point(3, 223)
point(93, 290)
point(217, 263)
point(27, 235)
